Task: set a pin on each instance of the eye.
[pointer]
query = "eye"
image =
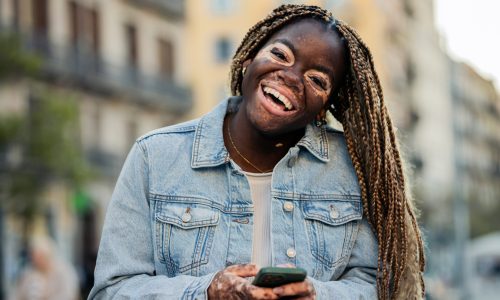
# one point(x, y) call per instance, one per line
point(279, 54)
point(319, 82)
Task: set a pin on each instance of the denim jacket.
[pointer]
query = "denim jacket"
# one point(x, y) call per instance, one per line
point(181, 211)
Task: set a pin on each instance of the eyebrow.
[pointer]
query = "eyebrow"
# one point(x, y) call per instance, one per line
point(320, 68)
point(325, 70)
point(286, 43)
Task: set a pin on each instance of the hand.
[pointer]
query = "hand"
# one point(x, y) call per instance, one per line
point(298, 290)
point(231, 284)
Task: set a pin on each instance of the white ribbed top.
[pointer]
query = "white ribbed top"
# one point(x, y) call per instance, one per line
point(260, 189)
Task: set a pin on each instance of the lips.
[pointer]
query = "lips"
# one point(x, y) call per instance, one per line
point(277, 100)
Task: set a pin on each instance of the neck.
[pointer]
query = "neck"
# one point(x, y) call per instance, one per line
point(261, 150)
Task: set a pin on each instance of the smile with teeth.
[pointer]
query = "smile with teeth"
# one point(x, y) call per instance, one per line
point(278, 98)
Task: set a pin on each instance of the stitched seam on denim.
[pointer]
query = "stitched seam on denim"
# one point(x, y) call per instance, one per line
point(348, 244)
point(172, 130)
point(179, 223)
point(324, 143)
point(309, 146)
point(315, 246)
point(196, 142)
point(330, 262)
point(307, 197)
point(354, 233)
point(346, 234)
point(197, 248)
point(159, 242)
point(325, 258)
point(215, 162)
point(145, 155)
point(209, 203)
point(338, 221)
point(202, 261)
point(166, 244)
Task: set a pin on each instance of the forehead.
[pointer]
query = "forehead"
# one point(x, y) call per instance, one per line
point(312, 40)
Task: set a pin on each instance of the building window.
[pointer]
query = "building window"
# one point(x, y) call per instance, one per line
point(16, 14)
point(94, 30)
point(166, 58)
point(84, 26)
point(222, 50)
point(131, 44)
point(74, 8)
point(40, 17)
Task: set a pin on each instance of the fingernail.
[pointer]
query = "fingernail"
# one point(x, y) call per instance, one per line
point(278, 290)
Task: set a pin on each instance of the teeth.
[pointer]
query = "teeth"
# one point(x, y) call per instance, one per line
point(281, 97)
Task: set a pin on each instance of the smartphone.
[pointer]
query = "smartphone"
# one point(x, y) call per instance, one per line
point(276, 276)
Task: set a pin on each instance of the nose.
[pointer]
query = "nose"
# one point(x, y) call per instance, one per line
point(292, 79)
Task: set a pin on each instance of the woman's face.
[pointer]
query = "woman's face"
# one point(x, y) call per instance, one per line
point(291, 77)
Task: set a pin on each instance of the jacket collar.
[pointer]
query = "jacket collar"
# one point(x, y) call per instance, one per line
point(208, 144)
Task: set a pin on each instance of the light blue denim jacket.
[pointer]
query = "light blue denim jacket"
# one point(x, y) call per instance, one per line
point(181, 211)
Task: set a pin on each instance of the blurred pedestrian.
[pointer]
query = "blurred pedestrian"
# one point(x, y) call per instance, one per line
point(262, 180)
point(48, 276)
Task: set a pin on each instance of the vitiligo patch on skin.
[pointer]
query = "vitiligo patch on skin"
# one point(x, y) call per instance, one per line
point(271, 51)
point(281, 54)
point(231, 284)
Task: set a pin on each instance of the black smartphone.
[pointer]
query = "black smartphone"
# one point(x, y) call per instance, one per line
point(276, 276)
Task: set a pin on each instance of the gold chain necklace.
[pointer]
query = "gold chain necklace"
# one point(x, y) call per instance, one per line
point(239, 153)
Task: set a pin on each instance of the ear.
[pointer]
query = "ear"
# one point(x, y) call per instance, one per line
point(321, 118)
point(246, 63)
point(322, 114)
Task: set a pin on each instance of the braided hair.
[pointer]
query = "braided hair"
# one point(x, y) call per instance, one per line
point(371, 142)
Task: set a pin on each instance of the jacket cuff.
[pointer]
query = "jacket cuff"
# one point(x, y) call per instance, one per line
point(198, 289)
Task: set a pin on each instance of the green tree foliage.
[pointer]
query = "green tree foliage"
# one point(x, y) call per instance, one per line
point(13, 60)
point(39, 146)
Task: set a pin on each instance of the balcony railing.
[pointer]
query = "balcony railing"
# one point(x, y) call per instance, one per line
point(74, 65)
point(171, 8)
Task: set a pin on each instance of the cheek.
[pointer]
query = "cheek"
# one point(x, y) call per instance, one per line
point(318, 98)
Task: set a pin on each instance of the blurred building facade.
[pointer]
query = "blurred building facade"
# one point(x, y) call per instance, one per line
point(476, 134)
point(476, 111)
point(215, 29)
point(121, 61)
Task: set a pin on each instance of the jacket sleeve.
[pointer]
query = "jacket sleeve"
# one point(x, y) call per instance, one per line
point(125, 267)
point(359, 278)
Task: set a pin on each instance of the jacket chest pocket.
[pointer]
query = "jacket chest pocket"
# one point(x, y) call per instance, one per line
point(184, 236)
point(331, 229)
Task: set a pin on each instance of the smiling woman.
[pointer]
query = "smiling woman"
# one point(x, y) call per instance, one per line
point(262, 180)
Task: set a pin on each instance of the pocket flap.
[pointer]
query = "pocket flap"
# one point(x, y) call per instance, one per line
point(333, 212)
point(186, 215)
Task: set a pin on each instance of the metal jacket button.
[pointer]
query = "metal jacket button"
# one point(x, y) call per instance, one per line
point(334, 214)
point(290, 252)
point(186, 217)
point(288, 206)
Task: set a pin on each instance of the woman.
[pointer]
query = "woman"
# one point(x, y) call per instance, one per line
point(261, 179)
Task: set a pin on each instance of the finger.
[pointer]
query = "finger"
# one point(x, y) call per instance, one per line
point(245, 270)
point(286, 266)
point(306, 298)
point(260, 293)
point(303, 288)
